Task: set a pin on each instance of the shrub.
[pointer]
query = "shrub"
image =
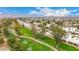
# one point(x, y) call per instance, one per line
point(18, 45)
point(11, 40)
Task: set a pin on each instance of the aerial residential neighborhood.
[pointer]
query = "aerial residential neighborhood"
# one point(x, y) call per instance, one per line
point(42, 29)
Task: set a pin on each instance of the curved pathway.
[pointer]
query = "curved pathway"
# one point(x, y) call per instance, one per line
point(40, 42)
point(36, 41)
point(21, 22)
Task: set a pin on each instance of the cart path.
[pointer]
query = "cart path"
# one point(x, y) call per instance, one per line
point(36, 41)
point(40, 42)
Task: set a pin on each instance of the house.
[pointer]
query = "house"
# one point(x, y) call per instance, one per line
point(72, 38)
point(70, 29)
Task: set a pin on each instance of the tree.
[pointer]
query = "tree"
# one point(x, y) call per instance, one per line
point(6, 24)
point(33, 27)
point(43, 26)
point(59, 23)
point(58, 33)
point(11, 40)
point(19, 45)
point(17, 27)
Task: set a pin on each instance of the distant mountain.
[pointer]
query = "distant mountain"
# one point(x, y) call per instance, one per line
point(32, 15)
point(10, 15)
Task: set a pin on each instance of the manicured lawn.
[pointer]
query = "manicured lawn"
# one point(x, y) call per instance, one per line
point(51, 41)
point(46, 39)
point(26, 32)
point(39, 47)
point(34, 46)
point(67, 47)
point(24, 44)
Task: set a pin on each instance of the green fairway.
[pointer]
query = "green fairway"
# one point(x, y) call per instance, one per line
point(34, 46)
point(52, 43)
point(25, 44)
point(26, 31)
point(46, 39)
point(67, 47)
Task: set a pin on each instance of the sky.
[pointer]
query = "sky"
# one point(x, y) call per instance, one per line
point(41, 11)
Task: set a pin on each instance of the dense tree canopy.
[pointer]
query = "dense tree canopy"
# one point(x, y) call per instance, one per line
point(58, 33)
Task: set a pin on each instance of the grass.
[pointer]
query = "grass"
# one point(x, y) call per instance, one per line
point(51, 42)
point(24, 44)
point(26, 31)
point(67, 47)
point(39, 47)
point(46, 39)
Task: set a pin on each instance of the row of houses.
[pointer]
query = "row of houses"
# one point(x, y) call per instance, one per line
point(72, 35)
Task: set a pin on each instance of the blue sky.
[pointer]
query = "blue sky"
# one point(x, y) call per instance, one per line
point(41, 11)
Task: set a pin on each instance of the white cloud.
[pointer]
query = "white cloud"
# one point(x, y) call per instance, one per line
point(34, 12)
point(52, 12)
